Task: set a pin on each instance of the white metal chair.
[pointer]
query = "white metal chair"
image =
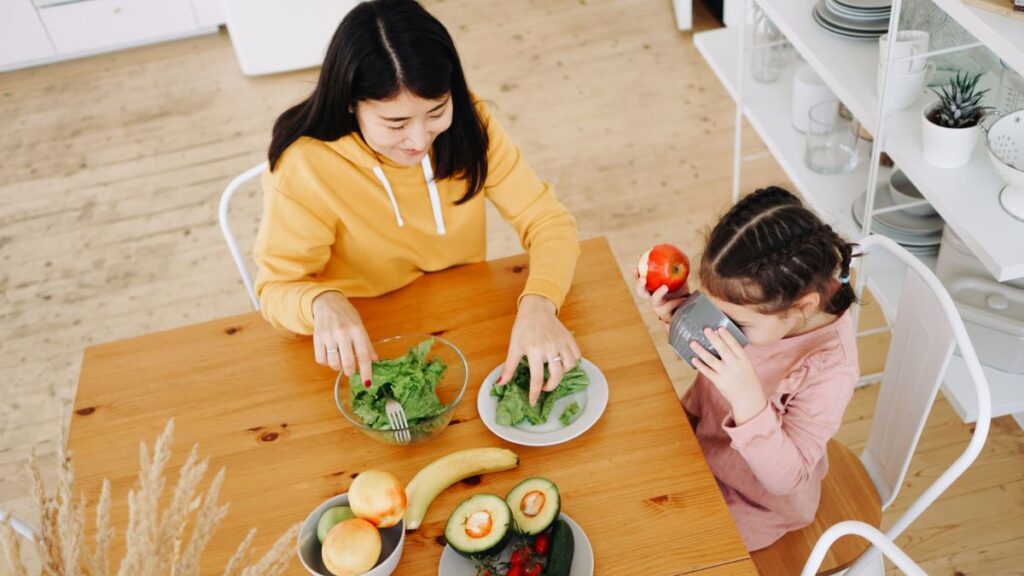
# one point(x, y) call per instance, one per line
point(225, 227)
point(925, 331)
point(868, 532)
point(19, 527)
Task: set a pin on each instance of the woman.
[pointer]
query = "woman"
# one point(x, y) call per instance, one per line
point(380, 176)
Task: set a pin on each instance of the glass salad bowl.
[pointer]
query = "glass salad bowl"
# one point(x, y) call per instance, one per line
point(426, 375)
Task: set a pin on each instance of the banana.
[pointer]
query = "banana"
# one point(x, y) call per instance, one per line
point(435, 477)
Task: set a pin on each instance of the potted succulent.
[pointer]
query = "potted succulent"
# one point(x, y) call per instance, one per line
point(949, 125)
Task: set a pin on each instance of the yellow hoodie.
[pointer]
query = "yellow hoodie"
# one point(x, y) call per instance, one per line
point(336, 216)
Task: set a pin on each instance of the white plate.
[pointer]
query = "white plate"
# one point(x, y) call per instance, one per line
point(867, 4)
point(856, 25)
point(592, 402)
point(855, 14)
point(898, 221)
point(452, 564)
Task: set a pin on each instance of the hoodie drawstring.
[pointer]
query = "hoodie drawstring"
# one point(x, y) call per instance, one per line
point(379, 173)
point(435, 197)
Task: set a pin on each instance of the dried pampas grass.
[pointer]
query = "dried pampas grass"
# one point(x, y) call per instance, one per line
point(158, 542)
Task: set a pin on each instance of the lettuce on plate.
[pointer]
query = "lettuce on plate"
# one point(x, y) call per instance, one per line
point(514, 397)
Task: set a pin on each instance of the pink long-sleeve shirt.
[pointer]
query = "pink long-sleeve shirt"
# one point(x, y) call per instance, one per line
point(770, 468)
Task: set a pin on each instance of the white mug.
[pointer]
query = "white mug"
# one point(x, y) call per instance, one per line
point(908, 43)
point(904, 87)
point(809, 90)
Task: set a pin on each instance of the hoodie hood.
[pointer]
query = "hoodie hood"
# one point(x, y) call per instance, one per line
point(356, 150)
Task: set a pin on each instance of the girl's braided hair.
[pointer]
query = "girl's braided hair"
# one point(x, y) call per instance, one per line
point(769, 250)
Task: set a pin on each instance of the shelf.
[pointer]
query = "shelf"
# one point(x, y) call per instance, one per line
point(831, 196)
point(1007, 391)
point(1003, 36)
point(967, 198)
point(848, 67)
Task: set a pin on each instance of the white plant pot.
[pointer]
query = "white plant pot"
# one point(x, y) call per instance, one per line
point(946, 147)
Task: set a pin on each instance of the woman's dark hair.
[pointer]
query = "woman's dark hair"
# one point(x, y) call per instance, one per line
point(381, 48)
point(769, 250)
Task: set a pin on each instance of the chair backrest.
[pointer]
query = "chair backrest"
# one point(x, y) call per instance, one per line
point(868, 532)
point(19, 527)
point(926, 330)
point(223, 213)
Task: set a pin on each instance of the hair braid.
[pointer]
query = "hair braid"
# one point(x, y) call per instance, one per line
point(769, 250)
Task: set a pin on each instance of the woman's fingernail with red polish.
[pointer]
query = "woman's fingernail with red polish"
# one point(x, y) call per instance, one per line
point(366, 383)
point(499, 380)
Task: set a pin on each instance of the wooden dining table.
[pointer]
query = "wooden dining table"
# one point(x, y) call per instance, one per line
point(259, 405)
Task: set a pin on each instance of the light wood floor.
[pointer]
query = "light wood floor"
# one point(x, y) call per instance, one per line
point(111, 168)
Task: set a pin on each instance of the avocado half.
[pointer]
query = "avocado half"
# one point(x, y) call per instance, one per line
point(535, 503)
point(480, 526)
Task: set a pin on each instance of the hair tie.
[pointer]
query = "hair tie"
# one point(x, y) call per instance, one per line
point(844, 279)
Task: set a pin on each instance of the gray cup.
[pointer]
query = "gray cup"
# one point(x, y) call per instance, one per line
point(690, 320)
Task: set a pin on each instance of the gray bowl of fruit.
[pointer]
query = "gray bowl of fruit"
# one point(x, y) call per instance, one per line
point(360, 532)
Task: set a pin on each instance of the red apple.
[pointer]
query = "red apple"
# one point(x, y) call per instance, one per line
point(664, 265)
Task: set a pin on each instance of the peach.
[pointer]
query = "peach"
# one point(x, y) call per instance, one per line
point(351, 548)
point(377, 497)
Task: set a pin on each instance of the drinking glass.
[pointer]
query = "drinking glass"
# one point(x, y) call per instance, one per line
point(770, 53)
point(831, 139)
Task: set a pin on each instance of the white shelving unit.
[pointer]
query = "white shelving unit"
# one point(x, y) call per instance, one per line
point(966, 198)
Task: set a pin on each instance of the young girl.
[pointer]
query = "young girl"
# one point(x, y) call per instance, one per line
point(380, 177)
point(764, 414)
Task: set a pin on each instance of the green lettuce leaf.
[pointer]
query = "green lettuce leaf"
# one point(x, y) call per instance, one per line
point(513, 398)
point(410, 379)
point(567, 414)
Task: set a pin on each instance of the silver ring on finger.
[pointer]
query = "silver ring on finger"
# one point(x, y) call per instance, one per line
point(555, 359)
point(330, 350)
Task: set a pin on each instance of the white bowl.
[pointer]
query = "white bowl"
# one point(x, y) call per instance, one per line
point(1006, 136)
point(903, 192)
point(392, 542)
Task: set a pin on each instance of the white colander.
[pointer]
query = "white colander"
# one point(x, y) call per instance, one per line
point(1005, 140)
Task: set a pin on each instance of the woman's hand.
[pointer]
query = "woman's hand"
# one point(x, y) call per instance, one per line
point(661, 301)
point(339, 338)
point(540, 336)
point(732, 374)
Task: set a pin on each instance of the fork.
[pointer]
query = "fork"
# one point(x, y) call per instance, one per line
point(396, 418)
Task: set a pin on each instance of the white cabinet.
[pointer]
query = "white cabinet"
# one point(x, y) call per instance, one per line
point(22, 36)
point(209, 12)
point(34, 32)
point(96, 24)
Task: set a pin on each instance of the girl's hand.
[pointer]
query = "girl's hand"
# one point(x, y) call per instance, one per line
point(661, 301)
point(733, 374)
point(540, 336)
point(339, 338)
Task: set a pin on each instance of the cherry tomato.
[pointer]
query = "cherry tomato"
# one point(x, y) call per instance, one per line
point(532, 570)
point(542, 544)
point(515, 570)
point(519, 557)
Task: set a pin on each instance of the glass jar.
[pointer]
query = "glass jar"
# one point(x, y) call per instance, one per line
point(1010, 96)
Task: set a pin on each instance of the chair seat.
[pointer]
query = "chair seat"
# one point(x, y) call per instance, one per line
point(847, 493)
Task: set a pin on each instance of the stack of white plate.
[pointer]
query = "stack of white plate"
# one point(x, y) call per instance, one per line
point(854, 18)
point(920, 235)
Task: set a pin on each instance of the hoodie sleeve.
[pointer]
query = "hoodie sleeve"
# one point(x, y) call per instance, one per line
point(292, 247)
point(546, 229)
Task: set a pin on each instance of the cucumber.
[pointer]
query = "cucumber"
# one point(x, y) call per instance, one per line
point(562, 546)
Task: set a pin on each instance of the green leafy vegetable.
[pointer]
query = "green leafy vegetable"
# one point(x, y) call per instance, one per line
point(567, 414)
point(410, 379)
point(514, 397)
